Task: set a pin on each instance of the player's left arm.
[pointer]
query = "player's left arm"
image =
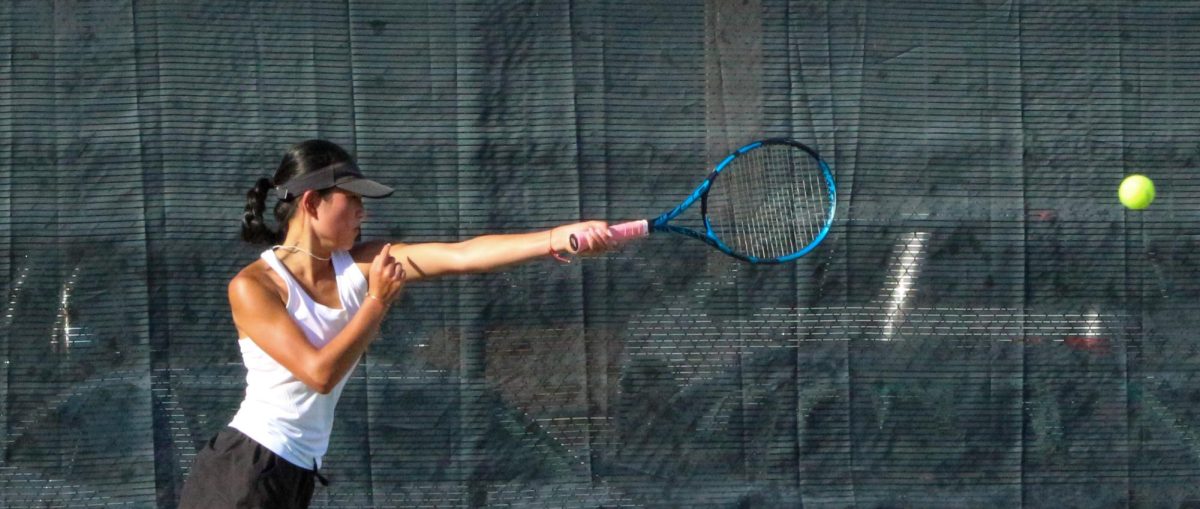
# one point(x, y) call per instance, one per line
point(488, 253)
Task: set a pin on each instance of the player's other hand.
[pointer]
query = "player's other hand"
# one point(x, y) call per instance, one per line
point(386, 278)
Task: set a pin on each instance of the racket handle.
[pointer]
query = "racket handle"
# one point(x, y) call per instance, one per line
point(620, 232)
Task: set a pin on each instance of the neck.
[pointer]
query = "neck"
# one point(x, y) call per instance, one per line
point(298, 249)
point(303, 248)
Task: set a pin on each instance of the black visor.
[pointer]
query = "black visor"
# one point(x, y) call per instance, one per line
point(344, 176)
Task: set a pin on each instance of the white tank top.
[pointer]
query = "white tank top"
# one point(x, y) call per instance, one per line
point(279, 411)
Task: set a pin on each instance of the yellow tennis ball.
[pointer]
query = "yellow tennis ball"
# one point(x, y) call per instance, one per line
point(1136, 192)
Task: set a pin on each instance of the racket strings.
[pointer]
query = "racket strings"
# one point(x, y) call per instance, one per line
point(770, 202)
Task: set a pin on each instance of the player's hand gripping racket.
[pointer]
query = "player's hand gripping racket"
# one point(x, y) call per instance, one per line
point(771, 201)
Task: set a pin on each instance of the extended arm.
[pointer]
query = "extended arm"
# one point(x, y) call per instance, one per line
point(492, 252)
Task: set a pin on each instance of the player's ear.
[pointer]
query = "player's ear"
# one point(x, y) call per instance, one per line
point(310, 201)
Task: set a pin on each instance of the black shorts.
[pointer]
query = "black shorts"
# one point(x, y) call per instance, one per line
point(234, 471)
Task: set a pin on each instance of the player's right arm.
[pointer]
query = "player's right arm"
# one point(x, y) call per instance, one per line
point(492, 252)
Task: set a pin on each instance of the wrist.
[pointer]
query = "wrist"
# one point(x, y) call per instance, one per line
point(383, 302)
point(560, 239)
point(557, 246)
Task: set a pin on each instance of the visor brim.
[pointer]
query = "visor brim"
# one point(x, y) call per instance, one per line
point(366, 187)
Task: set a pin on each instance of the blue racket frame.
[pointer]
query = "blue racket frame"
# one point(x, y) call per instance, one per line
point(661, 223)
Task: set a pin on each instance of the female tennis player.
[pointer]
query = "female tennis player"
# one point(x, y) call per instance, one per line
point(307, 310)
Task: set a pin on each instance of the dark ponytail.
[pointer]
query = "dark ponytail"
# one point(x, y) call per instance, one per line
point(300, 159)
point(254, 226)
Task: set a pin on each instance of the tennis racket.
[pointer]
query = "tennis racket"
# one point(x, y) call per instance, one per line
point(771, 201)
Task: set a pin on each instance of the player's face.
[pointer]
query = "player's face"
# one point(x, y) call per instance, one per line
point(340, 215)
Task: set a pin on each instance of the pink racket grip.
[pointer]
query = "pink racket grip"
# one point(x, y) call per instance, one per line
point(620, 232)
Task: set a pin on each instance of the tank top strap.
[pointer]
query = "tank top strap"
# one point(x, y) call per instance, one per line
point(352, 283)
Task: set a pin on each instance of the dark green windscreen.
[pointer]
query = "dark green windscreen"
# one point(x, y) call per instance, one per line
point(985, 325)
